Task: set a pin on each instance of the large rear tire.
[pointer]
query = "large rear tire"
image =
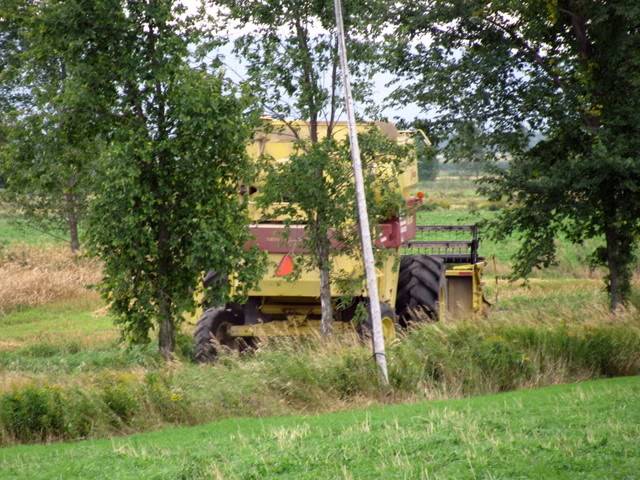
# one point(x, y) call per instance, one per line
point(212, 332)
point(421, 288)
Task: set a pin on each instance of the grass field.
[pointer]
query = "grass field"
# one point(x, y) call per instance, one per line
point(586, 431)
point(458, 204)
point(65, 375)
point(14, 232)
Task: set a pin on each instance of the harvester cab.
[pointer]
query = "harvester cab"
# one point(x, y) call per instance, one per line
point(413, 285)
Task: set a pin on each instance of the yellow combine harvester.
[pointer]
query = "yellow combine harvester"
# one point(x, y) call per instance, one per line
point(412, 286)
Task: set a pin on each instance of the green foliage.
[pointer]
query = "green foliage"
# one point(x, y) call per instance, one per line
point(56, 106)
point(582, 430)
point(168, 205)
point(120, 398)
point(428, 165)
point(33, 414)
point(543, 87)
point(170, 402)
point(315, 188)
point(292, 58)
point(292, 64)
point(432, 360)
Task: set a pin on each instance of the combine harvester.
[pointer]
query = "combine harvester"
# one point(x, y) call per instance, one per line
point(419, 280)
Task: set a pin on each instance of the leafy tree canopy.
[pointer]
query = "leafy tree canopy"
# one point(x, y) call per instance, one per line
point(55, 105)
point(291, 55)
point(552, 87)
point(168, 205)
point(327, 207)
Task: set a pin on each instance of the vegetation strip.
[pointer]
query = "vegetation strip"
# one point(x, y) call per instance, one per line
point(586, 430)
point(93, 398)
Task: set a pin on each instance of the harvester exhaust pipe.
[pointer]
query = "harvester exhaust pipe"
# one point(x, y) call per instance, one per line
point(363, 217)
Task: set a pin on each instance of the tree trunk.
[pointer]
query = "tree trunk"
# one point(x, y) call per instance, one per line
point(73, 233)
point(72, 221)
point(619, 251)
point(326, 306)
point(166, 335)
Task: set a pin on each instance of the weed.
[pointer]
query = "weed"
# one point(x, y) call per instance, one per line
point(171, 403)
point(33, 414)
point(120, 396)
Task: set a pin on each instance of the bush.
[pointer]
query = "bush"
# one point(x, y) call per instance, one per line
point(184, 346)
point(119, 395)
point(481, 358)
point(170, 402)
point(82, 414)
point(33, 414)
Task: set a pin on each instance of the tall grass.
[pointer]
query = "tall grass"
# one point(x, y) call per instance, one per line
point(31, 276)
point(293, 376)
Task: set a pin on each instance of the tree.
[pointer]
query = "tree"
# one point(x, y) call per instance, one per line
point(327, 208)
point(55, 106)
point(168, 205)
point(291, 54)
point(562, 72)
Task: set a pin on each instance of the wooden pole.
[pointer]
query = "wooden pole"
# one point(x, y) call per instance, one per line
point(363, 216)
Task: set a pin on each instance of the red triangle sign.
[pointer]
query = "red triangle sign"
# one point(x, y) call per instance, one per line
point(285, 267)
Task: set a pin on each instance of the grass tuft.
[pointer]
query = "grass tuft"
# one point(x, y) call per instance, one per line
point(432, 361)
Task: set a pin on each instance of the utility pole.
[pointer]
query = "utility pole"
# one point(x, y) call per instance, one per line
point(363, 217)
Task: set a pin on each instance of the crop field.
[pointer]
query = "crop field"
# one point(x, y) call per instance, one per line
point(65, 375)
point(587, 431)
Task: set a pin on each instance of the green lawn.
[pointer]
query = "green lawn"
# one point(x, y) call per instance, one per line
point(13, 232)
point(586, 431)
point(56, 320)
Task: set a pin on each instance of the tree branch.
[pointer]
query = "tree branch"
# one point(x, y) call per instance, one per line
point(532, 53)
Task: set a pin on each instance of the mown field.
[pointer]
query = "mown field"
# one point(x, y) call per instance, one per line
point(64, 375)
point(586, 431)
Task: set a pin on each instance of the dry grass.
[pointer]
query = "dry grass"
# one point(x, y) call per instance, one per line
point(32, 276)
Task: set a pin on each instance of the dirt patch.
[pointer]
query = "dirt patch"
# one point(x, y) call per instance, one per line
point(9, 344)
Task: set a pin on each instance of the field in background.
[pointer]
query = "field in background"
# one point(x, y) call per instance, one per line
point(454, 201)
point(14, 232)
point(586, 431)
point(60, 353)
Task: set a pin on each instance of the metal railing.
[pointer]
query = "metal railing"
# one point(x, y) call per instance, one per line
point(453, 251)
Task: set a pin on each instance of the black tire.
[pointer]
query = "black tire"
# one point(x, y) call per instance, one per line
point(212, 332)
point(421, 279)
point(365, 327)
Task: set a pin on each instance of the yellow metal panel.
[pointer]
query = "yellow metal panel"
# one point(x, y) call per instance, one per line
point(307, 284)
point(464, 285)
point(459, 297)
point(285, 329)
point(302, 328)
point(289, 308)
point(279, 143)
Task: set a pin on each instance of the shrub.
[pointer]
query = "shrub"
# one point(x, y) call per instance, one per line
point(184, 345)
point(120, 397)
point(82, 413)
point(34, 413)
point(170, 402)
point(437, 360)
